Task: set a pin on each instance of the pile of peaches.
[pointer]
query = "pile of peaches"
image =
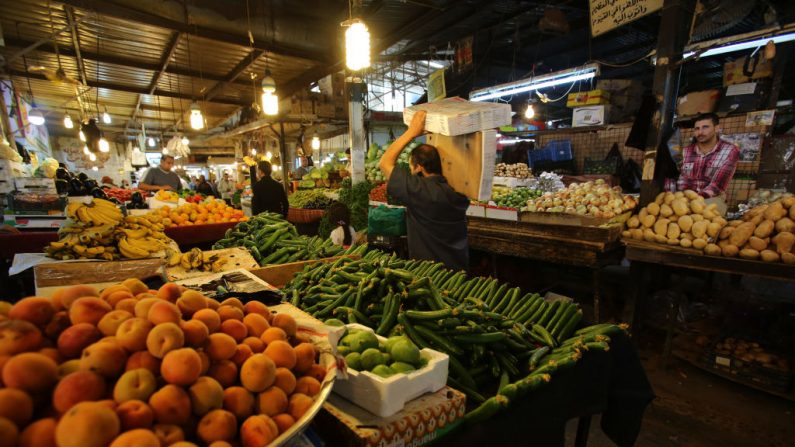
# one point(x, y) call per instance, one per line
point(133, 367)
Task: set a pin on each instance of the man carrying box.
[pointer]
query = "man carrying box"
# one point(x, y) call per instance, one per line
point(435, 213)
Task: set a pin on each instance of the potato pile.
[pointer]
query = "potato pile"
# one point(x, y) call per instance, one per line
point(751, 352)
point(129, 366)
point(766, 232)
point(517, 170)
point(681, 218)
point(595, 199)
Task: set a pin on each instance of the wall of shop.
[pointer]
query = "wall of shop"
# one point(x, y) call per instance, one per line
point(114, 164)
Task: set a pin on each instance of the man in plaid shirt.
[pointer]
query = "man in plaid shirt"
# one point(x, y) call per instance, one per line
point(708, 165)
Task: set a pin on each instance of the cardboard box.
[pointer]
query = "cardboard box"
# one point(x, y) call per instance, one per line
point(279, 275)
point(625, 97)
point(475, 210)
point(33, 184)
point(9, 170)
point(50, 277)
point(468, 162)
point(590, 116)
point(422, 421)
point(694, 103)
point(457, 116)
point(589, 98)
point(510, 214)
point(733, 71)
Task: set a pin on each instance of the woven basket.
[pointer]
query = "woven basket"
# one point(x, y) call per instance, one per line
point(301, 215)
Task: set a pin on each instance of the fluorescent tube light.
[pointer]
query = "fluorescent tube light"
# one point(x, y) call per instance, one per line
point(536, 83)
point(740, 46)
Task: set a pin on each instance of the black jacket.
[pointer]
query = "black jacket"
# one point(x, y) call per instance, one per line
point(269, 195)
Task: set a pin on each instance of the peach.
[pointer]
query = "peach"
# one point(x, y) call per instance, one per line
point(217, 425)
point(284, 421)
point(5, 308)
point(233, 302)
point(9, 433)
point(272, 401)
point(181, 366)
point(18, 336)
point(170, 405)
point(73, 340)
point(285, 379)
point(52, 353)
point(115, 288)
point(285, 322)
point(142, 307)
point(31, 372)
point(258, 373)
point(139, 437)
point(114, 298)
point(256, 324)
point(205, 362)
point(191, 302)
point(169, 434)
point(318, 372)
point(307, 385)
point(136, 384)
point(213, 304)
point(87, 424)
point(164, 338)
point(64, 297)
point(163, 312)
point(68, 367)
point(34, 309)
point(281, 353)
point(304, 357)
point(258, 430)
point(230, 313)
point(77, 387)
point(255, 344)
point(143, 359)
point(235, 329)
point(299, 338)
point(16, 406)
point(272, 334)
point(242, 353)
point(146, 295)
point(135, 414)
point(110, 323)
point(106, 358)
point(59, 323)
point(210, 318)
point(39, 434)
point(187, 444)
point(135, 285)
point(206, 395)
point(239, 401)
point(214, 444)
point(220, 346)
point(132, 332)
point(256, 307)
point(298, 405)
point(88, 309)
point(196, 333)
point(127, 304)
point(224, 371)
point(169, 292)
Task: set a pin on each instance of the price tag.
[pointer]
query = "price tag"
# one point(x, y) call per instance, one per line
point(723, 361)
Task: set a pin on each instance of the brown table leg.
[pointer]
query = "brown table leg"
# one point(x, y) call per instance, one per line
point(596, 297)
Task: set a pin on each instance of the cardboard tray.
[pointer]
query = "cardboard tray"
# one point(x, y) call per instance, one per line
point(279, 275)
point(236, 258)
point(50, 277)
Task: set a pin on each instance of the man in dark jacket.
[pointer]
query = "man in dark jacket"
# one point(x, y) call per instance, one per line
point(269, 195)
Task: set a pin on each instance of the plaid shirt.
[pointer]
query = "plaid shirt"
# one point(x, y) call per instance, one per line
point(709, 174)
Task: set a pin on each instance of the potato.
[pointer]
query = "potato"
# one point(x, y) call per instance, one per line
point(669, 197)
point(792, 213)
point(648, 235)
point(685, 223)
point(633, 222)
point(673, 218)
point(660, 239)
point(688, 236)
point(720, 220)
point(769, 256)
point(729, 250)
point(699, 229)
point(660, 199)
point(697, 206)
point(653, 208)
point(757, 243)
point(710, 214)
point(642, 213)
point(723, 243)
point(785, 224)
point(699, 243)
point(784, 242)
point(691, 195)
point(673, 231)
point(712, 250)
point(661, 226)
point(673, 242)
point(686, 243)
point(754, 212)
point(741, 234)
point(679, 195)
point(648, 221)
point(626, 234)
point(665, 210)
point(788, 258)
point(764, 229)
point(637, 234)
point(713, 229)
point(726, 232)
point(757, 220)
point(696, 217)
point(680, 207)
point(775, 211)
point(735, 223)
point(788, 202)
point(749, 253)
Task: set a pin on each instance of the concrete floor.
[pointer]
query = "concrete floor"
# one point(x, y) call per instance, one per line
point(695, 408)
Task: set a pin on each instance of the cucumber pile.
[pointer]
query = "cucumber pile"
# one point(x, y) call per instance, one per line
point(492, 333)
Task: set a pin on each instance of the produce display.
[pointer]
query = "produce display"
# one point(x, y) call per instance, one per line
point(363, 352)
point(320, 176)
point(492, 333)
point(513, 197)
point(378, 194)
point(313, 199)
point(596, 199)
point(129, 366)
point(122, 194)
point(751, 353)
point(99, 230)
point(375, 152)
point(167, 196)
point(516, 170)
point(196, 259)
point(758, 197)
point(357, 199)
point(75, 185)
point(208, 212)
point(766, 233)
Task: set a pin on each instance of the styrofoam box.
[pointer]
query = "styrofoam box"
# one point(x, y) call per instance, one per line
point(386, 396)
point(476, 210)
point(457, 116)
point(502, 213)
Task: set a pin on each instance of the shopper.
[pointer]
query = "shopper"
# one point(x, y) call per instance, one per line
point(203, 187)
point(435, 213)
point(269, 195)
point(161, 177)
point(344, 235)
point(303, 170)
point(226, 188)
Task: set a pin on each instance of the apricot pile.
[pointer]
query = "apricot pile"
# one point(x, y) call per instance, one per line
point(129, 366)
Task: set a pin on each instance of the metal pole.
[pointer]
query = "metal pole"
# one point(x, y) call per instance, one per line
point(356, 91)
point(283, 157)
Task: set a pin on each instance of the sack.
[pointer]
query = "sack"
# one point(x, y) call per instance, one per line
point(386, 221)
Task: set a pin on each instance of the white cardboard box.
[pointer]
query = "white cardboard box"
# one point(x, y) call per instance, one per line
point(589, 116)
point(386, 396)
point(476, 210)
point(9, 170)
point(457, 116)
point(502, 213)
point(468, 161)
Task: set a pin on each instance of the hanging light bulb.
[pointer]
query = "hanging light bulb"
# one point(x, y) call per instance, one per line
point(94, 168)
point(92, 157)
point(104, 146)
point(270, 100)
point(165, 151)
point(150, 142)
point(253, 151)
point(196, 118)
point(315, 142)
point(357, 45)
point(85, 150)
point(67, 122)
point(106, 117)
point(185, 141)
point(35, 117)
point(268, 155)
point(529, 112)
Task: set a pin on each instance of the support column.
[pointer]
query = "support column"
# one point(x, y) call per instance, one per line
point(357, 90)
point(283, 158)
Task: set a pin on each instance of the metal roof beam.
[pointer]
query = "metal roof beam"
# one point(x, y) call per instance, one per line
point(239, 69)
point(171, 47)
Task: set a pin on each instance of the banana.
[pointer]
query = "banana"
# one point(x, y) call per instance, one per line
point(130, 251)
point(105, 216)
point(107, 256)
point(218, 265)
point(184, 261)
point(79, 249)
point(95, 250)
point(104, 203)
point(82, 214)
point(140, 243)
point(71, 209)
point(174, 259)
point(57, 245)
point(135, 234)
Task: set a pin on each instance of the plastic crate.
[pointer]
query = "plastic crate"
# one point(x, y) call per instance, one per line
point(559, 150)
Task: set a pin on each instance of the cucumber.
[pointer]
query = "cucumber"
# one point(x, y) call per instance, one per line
point(538, 354)
point(441, 342)
point(545, 335)
point(490, 337)
point(557, 316)
point(430, 314)
point(487, 409)
point(566, 328)
point(548, 313)
point(472, 395)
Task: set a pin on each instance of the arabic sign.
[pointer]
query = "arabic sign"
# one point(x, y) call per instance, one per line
point(607, 15)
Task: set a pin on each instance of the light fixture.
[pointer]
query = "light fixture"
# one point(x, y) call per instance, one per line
point(433, 64)
point(85, 150)
point(253, 151)
point(185, 141)
point(270, 100)
point(35, 117)
point(150, 142)
point(82, 136)
point(67, 122)
point(737, 46)
point(315, 142)
point(529, 112)
point(104, 146)
point(94, 168)
point(357, 45)
point(165, 151)
point(92, 157)
point(106, 117)
point(268, 155)
point(571, 75)
point(196, 118)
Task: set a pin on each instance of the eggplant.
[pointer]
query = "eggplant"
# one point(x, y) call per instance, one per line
point(137, 198)
point(61, 185)
point(90, 184)
point(62, 174)
point(98, 193)
point(76, 188)
point(82, 177)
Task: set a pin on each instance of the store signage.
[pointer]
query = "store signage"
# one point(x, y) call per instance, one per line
point(607, 15)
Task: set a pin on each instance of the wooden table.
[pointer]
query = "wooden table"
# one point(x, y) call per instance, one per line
point(590, 247)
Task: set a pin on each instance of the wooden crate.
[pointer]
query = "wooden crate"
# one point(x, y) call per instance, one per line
point(235, 257)
point(279, 275)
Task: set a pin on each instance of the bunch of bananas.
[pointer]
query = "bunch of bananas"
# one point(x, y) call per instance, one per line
point(140, 238)
point(98, 212)
point(196, 259)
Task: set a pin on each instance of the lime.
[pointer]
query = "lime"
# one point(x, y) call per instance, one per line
point(372, 357)
point(392, 340)
point(334, 322)
point(401, 367)
point(387, 358)
point(343, 350)
point(354, 361)
point(383, 371)
point(407, 352)
point(363, 340)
